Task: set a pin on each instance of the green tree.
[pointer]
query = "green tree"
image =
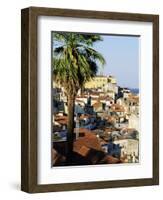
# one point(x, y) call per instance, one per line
point(74, 63)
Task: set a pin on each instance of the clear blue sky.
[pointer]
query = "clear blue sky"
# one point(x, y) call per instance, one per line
point(122, 58)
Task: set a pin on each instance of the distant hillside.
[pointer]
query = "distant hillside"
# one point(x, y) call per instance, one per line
point(134, 90)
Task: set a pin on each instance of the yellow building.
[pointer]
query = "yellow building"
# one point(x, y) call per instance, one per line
point(100, 81)
point(96, 82)
point(112, 79)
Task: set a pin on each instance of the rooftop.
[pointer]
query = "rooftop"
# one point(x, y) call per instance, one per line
point(117, 108)
point(97, 104)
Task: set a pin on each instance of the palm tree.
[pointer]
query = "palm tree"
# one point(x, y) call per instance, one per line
point(74, 63)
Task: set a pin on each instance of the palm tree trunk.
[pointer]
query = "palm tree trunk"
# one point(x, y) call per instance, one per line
point(70, 128)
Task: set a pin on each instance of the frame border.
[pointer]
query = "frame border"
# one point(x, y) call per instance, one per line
point(29, 99)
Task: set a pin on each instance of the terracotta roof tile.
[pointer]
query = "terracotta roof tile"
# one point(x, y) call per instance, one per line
point(84, 151)
point(97, 104)
point(89, 140)
point(117, 108)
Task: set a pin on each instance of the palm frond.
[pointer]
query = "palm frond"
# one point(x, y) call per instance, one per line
point(74, 60)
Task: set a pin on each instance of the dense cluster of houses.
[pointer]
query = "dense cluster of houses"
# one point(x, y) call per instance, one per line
point(107, 122)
